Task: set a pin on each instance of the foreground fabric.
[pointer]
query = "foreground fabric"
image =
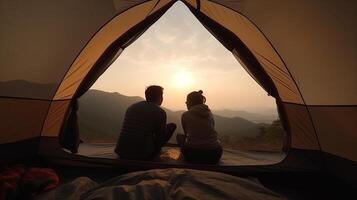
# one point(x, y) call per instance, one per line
point(69, 191)
point(20, 182)
point(166, 184)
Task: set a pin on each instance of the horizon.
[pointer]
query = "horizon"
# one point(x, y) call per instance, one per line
point(262, 111)
point(181, 59)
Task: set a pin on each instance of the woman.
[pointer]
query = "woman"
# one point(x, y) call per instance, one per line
point(200, 143)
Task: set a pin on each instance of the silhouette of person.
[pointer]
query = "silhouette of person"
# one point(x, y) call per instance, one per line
point(144, 129)
point(200, 143)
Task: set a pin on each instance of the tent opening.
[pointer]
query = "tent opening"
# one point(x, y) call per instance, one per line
point(301, 53)
point(183, 58)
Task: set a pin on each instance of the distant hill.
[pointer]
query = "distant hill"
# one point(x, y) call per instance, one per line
point(254, 117)
point(101, 115)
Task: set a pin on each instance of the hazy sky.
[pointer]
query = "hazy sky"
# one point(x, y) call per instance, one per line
point(178, 53)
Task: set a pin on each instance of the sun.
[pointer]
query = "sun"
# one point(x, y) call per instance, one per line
point(182, 79)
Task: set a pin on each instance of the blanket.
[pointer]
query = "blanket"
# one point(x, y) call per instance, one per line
point(166, 184)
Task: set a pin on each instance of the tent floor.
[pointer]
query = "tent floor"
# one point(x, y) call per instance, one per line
point(171, 155)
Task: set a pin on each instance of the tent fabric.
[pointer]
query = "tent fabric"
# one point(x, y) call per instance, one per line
point(302, 53)
point(316, 40)
point(341, 121)
point(47, 36)
point(301, 129)
point(21, 119)
point(55, 118)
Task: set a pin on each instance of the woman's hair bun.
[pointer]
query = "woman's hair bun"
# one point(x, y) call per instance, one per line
point(196, 98)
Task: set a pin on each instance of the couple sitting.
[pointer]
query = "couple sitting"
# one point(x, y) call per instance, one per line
point(145, 131)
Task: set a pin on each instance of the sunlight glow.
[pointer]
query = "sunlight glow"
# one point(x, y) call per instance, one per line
point(183, 79)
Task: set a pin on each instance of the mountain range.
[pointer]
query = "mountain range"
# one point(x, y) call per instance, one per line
point(101, 115)
point(267, 116)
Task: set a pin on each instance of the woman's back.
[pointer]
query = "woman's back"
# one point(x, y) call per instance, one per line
point(201, 145)
point(198, 124)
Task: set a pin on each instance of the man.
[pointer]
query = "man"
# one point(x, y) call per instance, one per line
point(144, 129)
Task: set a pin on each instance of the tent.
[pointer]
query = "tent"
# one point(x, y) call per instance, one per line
point(303, 53)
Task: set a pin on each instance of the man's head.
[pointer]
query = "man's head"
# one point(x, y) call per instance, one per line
point(154, 93)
